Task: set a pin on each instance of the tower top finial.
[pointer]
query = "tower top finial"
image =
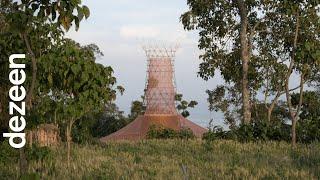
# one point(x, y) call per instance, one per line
point(160, 49)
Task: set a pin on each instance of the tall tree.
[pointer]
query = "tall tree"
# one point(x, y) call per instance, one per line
point(22, 18)
point(293, 30)
point(227, 30)
point(76, 83)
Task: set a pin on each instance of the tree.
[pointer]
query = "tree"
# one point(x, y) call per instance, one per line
point(23, 15)
point(268, 37)
point(109, 121)
point(227, 31)
point(293, 28)
point(183, 105)
point(29, 16)
point(137, 108)
point(76, 83)
point(308, 127)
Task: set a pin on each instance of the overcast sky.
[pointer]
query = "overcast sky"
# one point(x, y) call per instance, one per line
point(117, 27)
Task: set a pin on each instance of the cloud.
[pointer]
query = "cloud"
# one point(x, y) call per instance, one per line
point(139, 32)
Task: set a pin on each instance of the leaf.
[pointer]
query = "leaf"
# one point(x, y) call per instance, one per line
point(80, 14)
point(75, 69)
point(65, 21)
point(86, 11)
point(76, 22)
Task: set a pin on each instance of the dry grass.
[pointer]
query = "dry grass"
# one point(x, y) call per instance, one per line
point(176, 159)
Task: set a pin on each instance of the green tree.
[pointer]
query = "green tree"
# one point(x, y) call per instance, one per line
point(23, 19)
point(227, 37)
point(109, 121)
point(308, 128)
point(294, 41)
point(183, 105)
point(76, 83)
point(137, 108)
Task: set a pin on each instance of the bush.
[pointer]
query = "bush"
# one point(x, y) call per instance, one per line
point(159, 132)
point(245, 133)
point(217, 132)
point(39, 153)
point(7, 153)
point(186, 133)
point(263, 131)
point(256, 131)
point(308, 131)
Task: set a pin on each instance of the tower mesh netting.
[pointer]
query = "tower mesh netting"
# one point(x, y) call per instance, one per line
point(160, 90)
point(159, 99)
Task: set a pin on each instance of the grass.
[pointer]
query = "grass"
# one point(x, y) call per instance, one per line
point(177, 159)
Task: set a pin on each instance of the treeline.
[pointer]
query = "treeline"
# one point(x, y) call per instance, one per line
point(268, 53)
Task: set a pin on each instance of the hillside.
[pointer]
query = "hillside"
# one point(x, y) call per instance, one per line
point(176, 159)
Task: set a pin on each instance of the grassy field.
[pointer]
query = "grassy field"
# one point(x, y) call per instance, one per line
point(176, 159)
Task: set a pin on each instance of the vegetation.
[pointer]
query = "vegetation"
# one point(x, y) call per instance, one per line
point(163, 159)
point(268, 53)
point(156, 132)
point(257, 46)
point(183, 105)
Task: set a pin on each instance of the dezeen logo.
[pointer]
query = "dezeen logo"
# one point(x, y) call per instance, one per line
point(17, 94)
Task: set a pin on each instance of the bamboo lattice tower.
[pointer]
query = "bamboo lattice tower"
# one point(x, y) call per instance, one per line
point(160, 91)
point(160, 83)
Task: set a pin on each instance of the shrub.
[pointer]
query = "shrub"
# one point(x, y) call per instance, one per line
point(256, 131)
point(263, 131)
point(186, 133)
point(159, 132)
point(217, 132)
point(7, 153)
point(39, 153)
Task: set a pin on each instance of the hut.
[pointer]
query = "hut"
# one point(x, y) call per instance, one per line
point(44, 135)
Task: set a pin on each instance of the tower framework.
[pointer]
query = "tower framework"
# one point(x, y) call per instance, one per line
point(160, 94)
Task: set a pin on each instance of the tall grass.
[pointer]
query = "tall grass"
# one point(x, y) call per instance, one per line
point(179, 159)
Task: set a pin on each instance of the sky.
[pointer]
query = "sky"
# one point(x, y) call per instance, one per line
point(120, 28)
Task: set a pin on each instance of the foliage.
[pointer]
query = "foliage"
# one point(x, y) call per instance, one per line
point(38, 153)
point(217, 133)
point(186, 133)
point(256, 131)
point(308, 128)
point(63, 13)
point(137, 108)
point(109, 121)
point(159, 132)
point(7, 153)
point(183, 105)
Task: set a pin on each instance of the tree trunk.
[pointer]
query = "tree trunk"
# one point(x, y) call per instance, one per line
point(293, 132)
point(23, 162)
point(34, 72)
point(295, 119)
point(245, 57)
point(68, 146)
point(69, 139)
point(293, 115)
point(271, 107)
